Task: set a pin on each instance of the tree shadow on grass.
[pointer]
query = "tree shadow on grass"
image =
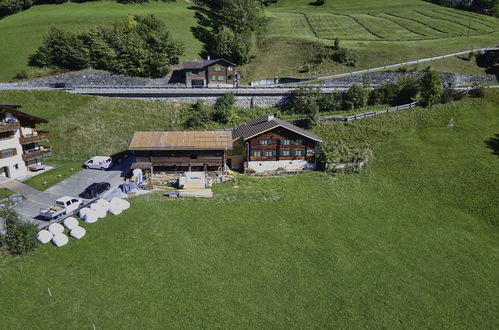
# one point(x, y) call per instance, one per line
point(493, 143)
point(208, 20)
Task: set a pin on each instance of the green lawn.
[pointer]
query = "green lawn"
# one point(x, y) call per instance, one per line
point(5, 193)
point(47, 179)
point(382, 31)
point(408, 243)
point(21, 34)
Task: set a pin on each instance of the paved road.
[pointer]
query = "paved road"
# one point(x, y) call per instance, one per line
point(20, 188)
point(71, 186)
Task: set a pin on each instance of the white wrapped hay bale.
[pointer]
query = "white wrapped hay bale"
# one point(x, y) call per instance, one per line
point(77, 232)
point(90, 217)
point(115, 209)
point(83, 211)
point(44, 236)
point(70, 223)
point(94, 206)
point(125, 205)
point(60, 239)
point(56, 228)
point(101, 213)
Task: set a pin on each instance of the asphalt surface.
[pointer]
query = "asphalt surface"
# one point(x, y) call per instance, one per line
point(72, 186)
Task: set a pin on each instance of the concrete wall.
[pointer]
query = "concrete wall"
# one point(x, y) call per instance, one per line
point(286, 165)
point(241, 101)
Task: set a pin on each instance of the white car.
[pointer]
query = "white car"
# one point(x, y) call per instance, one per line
point(99, 163)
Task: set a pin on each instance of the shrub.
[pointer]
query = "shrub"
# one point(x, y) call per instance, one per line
point(231, 46)
point(61, 49)
point(358, 96)
point(477, 92)
point(431, 87)
point(349, 57)
point(223, 108)
point(303, 98)
point(137, 46)
point(200, 115)
point(20, 237)
point(329, 101)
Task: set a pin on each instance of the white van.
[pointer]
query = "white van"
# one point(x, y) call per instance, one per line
point(99, 163)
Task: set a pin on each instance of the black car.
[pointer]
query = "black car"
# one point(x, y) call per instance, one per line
point(95, 189)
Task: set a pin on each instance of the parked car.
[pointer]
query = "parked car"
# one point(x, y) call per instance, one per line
point(62, 206)
point(95, 190)
point(99, 163)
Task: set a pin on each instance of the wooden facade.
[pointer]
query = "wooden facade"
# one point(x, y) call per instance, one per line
point(181, 151)
point(281, 144)
point(209, 73)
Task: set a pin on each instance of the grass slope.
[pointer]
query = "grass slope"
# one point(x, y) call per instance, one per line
point(22, 33)
point(406, 244)
point(383, 31)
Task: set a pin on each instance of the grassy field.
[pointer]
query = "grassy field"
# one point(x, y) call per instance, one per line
point(383, 31)
point(23, 32)
point(409, 243)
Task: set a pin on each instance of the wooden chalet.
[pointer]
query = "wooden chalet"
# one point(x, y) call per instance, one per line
point(271, 144)
point(209, 73)
point(181, 151)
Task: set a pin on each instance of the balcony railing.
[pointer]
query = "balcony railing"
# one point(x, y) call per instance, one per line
point(4, 127)
point(29, 155)
point(42, 136)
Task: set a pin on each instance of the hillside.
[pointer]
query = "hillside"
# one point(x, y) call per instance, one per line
point(23, 32)
point(408, 243)
point(383, 31)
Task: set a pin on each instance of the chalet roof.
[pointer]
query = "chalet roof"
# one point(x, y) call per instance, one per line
point(12, 108)
point(189, 65)
point(214, 140)
point(266, 123)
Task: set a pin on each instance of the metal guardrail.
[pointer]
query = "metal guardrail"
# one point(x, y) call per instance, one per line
point(372, 113)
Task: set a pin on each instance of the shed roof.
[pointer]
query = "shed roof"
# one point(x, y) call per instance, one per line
point(189, 65)
point(192, 140)
point(12, 108)
point(266, 123)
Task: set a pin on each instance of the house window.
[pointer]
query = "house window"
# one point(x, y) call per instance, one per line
point(221, 78)
point(284, 152)
point(16, 166)
point(218, 68)
point(310, 152)
point(295, 142)
point(269, 153)
point(285, 142)
point(266, 142)
point(214, 78)
point(256, 153)
point(8, 153)
point(229, 69)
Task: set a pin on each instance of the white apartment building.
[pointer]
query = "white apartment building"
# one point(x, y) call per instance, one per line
point(20, 149)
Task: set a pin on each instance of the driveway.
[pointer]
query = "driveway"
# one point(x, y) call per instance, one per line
point(72, 186)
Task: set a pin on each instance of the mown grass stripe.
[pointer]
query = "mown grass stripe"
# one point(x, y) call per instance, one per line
point(397, 23)
point(417, 21)
point(471, 17)
point(405, 27)
point(365, 27)
point(446, 20)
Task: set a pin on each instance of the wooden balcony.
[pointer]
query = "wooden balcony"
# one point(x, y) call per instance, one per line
point(37, 154)
point(4, 127)
point(41, 136)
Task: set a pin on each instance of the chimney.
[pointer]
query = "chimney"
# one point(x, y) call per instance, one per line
point(270, 117)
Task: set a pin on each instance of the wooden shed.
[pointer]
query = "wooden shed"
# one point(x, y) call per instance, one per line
point(182, 151)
